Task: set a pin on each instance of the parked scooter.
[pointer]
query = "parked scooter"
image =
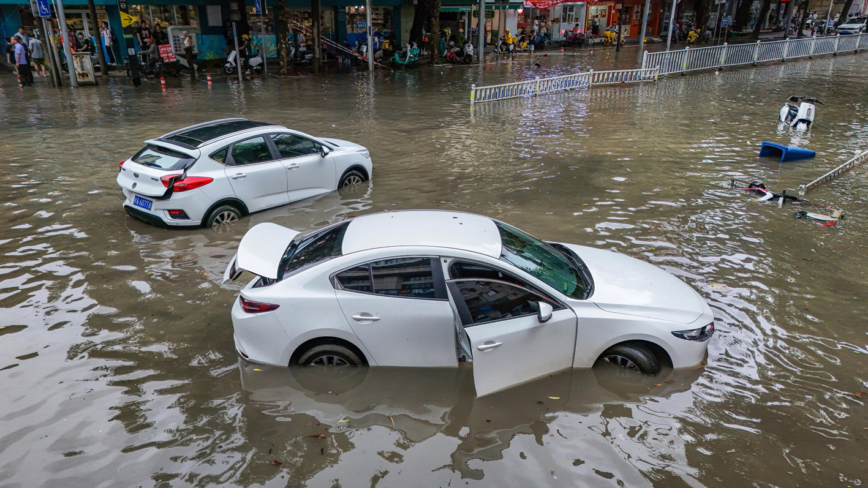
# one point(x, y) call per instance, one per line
point(254, 62)
point(457, 55)
point(408, 57)
point(801, 116)
point(576, 39)
point(299, 54)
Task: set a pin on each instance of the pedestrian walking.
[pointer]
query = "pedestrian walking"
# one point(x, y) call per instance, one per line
point(188, 53)
point(21, 63)
point(107, 36)
point(37, 56)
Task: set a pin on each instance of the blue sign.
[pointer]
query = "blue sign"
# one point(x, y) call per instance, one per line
point(724, 22)
point(257, 7)
point(361, 24)
point(44, 9)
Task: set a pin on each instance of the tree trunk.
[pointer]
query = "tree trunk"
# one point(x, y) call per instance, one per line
point(420, 16)
point(103, 64)
point(316, 16)
point(803, 17)
point(282, 32)
point(844, 11)
point(742, 15)
point(764, 11)
point(434, 19)
point(703, 11)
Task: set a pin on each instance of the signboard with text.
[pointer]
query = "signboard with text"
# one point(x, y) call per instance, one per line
point(166, 53)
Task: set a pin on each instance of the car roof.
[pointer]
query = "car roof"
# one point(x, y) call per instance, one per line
point(423, 228)
point(202, 134)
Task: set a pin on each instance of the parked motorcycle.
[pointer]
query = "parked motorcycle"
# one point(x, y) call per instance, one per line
point(801, 116)
point(408, 57)
point(299, 54)
point(576, 39)
point(457, 55)
point(255, 63)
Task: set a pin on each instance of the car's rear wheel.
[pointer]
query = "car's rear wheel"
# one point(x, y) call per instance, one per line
point(351, 178)
point(224, 214)
point(632, 357)
point(329, 356)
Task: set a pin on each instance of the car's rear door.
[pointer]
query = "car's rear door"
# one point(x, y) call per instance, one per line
point(399, 309)
point(308, 171)
point(509, 343)
point(256, 174)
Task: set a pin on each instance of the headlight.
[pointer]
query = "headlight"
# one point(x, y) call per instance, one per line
point(700, 334)
point(365, 153)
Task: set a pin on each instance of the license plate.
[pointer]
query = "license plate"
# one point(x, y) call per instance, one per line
point(142, 202)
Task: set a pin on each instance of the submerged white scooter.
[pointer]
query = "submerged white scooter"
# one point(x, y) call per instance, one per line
point(255, 63)
point(801, 116)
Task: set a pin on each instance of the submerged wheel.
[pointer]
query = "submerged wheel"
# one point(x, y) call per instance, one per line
point(225, 214)
point(351, 178)
point(329, 356)
point(632, 357)
point(228, 70)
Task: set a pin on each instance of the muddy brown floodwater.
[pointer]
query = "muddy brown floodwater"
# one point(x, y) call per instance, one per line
point(116, 356)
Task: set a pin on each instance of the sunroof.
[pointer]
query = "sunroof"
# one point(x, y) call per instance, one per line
point(201, 135)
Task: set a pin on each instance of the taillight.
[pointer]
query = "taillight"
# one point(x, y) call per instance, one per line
point(250, 306)
point(185, 184)
point(121, 166)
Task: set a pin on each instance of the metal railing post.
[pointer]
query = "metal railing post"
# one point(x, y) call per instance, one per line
point(536, 90)
point(837, 39)
point(786, 50)
point(813, 43)
point(590, 78)
point(644, 59)
point(722, 57)
point(684, 63)
point(472, 91)
point(656, 72)
point(858, 38)
point(756, 52)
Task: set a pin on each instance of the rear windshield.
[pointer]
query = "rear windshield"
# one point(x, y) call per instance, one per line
point(160, 157)
point(315, 248)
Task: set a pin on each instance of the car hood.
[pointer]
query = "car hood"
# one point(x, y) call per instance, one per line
point(627, 285)
point(342, 143)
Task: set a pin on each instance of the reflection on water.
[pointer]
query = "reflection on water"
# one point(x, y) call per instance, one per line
point(117, 358)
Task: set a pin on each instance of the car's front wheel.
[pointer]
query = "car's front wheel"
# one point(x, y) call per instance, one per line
point(329, 355)
point(351, 178)
point(632, 356)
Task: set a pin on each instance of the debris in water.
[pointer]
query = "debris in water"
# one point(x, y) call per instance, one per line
point(317, 436)
point(555, 398)
point(276, 462)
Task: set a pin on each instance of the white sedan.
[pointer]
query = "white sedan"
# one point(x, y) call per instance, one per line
point(435, 288)
point(215, 173)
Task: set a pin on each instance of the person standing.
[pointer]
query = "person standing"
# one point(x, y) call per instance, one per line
point(143, 33)
point(22, 36)
point(37, 55)
point(21, 63)
point(10, 52)
point(188, 53)
point(106, 34)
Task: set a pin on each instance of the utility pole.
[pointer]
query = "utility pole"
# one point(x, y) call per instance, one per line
point(369, 29)
point(42, 10)
point(70, 65)
point(618, 25)
point(828, 17)
point(480, 31)
point(103, 64)
point(644, 25)
point(55, 55)
point(48, 48)
point(238, 63)
point(316, 17)
point(263, 54)
point(672, 24)
point(129, 34)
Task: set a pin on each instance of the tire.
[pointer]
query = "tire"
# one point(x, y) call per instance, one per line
point(632, 356)
point(224, 214)
point(351, 178)
point(329, 355)
point(228, 70)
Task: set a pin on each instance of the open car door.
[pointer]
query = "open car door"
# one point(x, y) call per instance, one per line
point(516, 335)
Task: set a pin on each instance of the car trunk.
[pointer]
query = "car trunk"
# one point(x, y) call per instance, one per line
point(143, 177)
point(260, 251)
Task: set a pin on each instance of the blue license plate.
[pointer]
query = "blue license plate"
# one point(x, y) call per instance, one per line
point(142, 202)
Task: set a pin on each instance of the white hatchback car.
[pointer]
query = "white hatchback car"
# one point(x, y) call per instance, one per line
point(216, 172)
point(434, 288)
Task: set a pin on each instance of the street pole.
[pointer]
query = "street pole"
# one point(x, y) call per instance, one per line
point(671, 24)
point(61, 17)
point(103, 64)
point(480, 31)
point(644, 25)
point(49, 53)
point(370, 30)
point(618, 39)
point(788, 12)
point(716, 22)
point(53, 49)
point(237, 54)
point(262, 45)
point(828, 18)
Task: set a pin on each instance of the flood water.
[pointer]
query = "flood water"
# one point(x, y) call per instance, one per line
point(116, 356)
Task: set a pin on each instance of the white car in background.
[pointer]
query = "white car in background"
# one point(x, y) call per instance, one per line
point(856, 25)
point(434, 288)
point(214, 173)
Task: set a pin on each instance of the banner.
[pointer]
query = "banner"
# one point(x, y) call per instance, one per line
point(166, 53)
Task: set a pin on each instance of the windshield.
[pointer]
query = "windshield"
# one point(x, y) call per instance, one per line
point(160, 157)
point(540, 260)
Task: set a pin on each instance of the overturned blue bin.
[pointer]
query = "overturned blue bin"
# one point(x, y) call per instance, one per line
point(787, 153)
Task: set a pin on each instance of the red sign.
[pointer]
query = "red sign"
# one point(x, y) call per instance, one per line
point(166, 53)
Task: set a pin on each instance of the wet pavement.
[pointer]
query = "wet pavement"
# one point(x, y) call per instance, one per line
point(116, 353)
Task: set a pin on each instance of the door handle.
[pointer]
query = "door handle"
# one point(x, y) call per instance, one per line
point(489, 345)
point(239, 176)
point(365, 317)
point(292, 166)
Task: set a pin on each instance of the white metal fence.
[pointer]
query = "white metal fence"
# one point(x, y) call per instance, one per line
point(713, 57)
point(545, 86)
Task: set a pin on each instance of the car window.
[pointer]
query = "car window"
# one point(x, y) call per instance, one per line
point(251, 151)
point(469, 270)
point(220, 156)
point(489, 301)
point(160, 157)
point(314, 248)
point(356, 279)
point(404, 277)
point(290, 145)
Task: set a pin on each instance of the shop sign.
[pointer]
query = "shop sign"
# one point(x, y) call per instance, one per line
point(361, 24)
point(489, 14)
point(166, 53)
point(617, 6)
point(257, 7)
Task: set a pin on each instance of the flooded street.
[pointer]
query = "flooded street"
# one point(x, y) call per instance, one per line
point(116, 352)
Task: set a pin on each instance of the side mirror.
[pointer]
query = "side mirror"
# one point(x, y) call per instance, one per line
point(324, 151)
point(545, 312)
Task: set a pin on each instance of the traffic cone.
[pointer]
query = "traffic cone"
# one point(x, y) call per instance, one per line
point(209, 79)
point(163, 83)
point(19, 82)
